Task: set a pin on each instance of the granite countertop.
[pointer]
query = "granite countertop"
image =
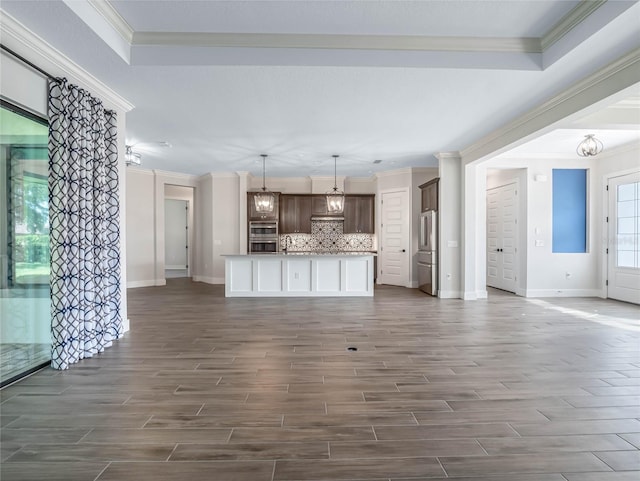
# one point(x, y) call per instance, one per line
point(327, 253)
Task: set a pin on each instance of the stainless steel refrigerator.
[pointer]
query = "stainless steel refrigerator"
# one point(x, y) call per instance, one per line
point(428, 253)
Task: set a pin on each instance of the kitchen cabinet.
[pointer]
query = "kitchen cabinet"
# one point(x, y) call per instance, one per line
point(429, 191)
point(359, 213)
point(255, 215)
point(319, 205)
point(295, 214)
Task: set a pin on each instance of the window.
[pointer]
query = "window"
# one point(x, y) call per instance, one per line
point(25, 299)
point(628, 225)
point(569, 211)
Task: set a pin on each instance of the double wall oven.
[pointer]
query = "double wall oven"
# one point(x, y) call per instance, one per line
point(263, 237)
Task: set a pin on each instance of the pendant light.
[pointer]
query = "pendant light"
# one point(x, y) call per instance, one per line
point(335, 197)
point(589, 147)
point(264, 200)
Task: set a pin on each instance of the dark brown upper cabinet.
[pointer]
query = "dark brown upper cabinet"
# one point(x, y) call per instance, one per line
point(429, 191)
point(255, 215)
point(295, 214)
point(319, 204)
point(359, 214)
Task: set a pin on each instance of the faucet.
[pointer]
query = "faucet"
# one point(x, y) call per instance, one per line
point(287, 240)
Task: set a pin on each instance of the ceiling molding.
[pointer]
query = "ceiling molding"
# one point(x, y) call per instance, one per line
point(569, 22)
point(179, 175)
point(629, 62)
point(337, 42)
point(111, 15)
point(23, 41)
point(455, 155)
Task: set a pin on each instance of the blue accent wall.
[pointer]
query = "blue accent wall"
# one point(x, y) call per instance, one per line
point(570, 210)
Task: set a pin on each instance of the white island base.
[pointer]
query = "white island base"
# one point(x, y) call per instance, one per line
point(299, 275)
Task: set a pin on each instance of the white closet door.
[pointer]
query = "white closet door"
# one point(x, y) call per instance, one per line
point(502, 237)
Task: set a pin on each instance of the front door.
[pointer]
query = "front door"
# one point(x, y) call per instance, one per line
point(502, 211)
point(624, 238)
point(394, 239)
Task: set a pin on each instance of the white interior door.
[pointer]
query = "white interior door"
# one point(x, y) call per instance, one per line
point(175, 234)
point(394, 240)
point(502, 237)
point(624, 238)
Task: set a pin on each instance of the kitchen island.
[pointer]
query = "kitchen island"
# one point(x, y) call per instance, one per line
point(299, 274)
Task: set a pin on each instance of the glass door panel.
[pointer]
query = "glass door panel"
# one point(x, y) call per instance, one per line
point(25, 300)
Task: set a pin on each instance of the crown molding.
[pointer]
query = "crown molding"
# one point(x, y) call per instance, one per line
point(351, 42)
point(111, 15)
point(23, 41)
point(140, 170)
point(178, 175)
point(571, 20)
point(453, 155)
point(628, 66)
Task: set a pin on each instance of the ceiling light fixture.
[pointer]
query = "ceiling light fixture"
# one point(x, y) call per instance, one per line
point(589, 147)
point(335, 197)
point(131, 157)
point(264, 200)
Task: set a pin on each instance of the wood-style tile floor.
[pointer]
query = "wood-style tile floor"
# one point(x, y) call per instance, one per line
point(208, 388)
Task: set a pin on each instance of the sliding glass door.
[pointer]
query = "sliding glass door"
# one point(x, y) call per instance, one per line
point(25, 319)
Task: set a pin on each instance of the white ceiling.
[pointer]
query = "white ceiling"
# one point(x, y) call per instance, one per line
point(398, 81)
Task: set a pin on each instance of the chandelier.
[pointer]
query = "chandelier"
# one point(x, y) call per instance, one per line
point(589, 147)
point(335, 197)
point(264, 201)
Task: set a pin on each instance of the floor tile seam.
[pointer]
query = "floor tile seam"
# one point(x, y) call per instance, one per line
point(175, 446)
point(595, 453)
point(102, 472)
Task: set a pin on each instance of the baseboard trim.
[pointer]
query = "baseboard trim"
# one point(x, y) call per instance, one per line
point(134, 284)
point(209, 280)
point(482, 294)
point(449, 294)
point(563, 293)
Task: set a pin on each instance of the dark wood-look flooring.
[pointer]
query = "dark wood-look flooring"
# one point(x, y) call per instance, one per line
point(208, 388)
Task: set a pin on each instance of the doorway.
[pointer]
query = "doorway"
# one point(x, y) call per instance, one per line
point(178, 231)
point(394, 238)
point(623, 260)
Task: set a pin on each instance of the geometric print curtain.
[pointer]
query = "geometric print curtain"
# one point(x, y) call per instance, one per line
point(84, 214)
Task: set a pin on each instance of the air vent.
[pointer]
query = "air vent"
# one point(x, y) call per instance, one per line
point(377, 161)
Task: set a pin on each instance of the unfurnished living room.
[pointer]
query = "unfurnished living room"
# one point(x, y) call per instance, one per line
point(320, 240)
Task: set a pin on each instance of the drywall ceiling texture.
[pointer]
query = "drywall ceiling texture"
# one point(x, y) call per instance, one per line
point(396, 81)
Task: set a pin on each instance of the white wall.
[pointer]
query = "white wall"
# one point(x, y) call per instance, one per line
point(285, 185)
point(140, 242)
point(219, 217)
point(544, 273)
point(203, 266)
point(450, 217)
point(360, 185)
point(145, 222)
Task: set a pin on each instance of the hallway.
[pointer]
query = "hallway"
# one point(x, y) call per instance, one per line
point(209, 388)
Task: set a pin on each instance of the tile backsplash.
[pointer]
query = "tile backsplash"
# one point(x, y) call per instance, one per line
point(328, 236)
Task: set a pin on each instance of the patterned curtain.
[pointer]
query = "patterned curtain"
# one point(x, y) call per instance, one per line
point(84, 216)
